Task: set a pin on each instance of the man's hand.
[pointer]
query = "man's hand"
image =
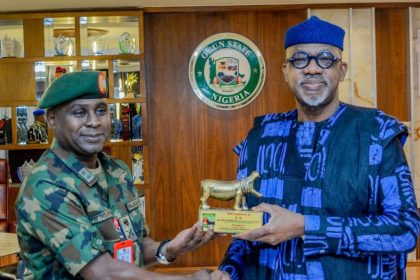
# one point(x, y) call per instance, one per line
point(205, 274)
point(188, 240)
point(283, 225)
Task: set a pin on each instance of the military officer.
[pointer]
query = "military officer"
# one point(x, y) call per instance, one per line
point(78, 210)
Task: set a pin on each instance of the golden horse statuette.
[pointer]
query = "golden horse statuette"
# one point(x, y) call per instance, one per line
point(233, 220)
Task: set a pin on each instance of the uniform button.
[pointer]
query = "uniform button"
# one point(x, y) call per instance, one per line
point(99, 242)
point(322, 251)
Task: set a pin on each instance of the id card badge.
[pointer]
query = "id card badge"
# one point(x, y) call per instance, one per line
point(124, 251)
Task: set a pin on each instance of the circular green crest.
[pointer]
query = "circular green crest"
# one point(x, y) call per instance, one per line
point(227, 71)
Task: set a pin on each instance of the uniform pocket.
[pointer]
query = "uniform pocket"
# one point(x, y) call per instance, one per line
point(105, 235)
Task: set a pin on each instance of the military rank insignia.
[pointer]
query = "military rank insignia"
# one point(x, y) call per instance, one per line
point(127, 228)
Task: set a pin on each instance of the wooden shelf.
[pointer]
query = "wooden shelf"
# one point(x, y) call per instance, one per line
point(14, 103)
point(143, 186)
point(46, 146)
point(72, 58)
point(126, 143)
point(25, 147)
point(14, 185)
point(141, 99)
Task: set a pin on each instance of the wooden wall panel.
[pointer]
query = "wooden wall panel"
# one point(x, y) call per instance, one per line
point(33, 37)
point(188, 140)
point(13, 193)
point(17, 80)
point(121, 152)
point(392, 53)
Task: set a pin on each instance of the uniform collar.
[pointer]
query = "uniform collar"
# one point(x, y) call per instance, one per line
point(69, 159)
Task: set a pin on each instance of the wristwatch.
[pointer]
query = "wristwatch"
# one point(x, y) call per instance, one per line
point(160, 258)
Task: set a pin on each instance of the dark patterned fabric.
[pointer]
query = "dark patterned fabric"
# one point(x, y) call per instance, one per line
point(349, 177)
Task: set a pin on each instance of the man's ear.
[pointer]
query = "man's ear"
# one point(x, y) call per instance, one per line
point(51, 118)
point(343, 70)
point(284, 68)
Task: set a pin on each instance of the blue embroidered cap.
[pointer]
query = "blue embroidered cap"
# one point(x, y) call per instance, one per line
point(315, 31)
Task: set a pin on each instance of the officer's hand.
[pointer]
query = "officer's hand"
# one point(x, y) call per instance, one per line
point(188, 240)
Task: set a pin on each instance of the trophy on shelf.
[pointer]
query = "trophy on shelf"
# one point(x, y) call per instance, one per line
point(17, 47)
point(116, 125)
point(24, 170)
point(136, 122)
point(126, 123)
point(137, 164)
point(59, 71)
point(131, 80)
point(8, 46)
point(126, 43)
point(5, 130)
point(99, 45)
point(38, 131)
point(235, 220)
point(22, 128)
point(63, 45)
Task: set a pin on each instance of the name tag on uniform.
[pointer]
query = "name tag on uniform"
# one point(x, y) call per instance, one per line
point(101, 217)
point(123, 251)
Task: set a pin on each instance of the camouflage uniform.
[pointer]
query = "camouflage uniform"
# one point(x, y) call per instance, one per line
point(66, 214)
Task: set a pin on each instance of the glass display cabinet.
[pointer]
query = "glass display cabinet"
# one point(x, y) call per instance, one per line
point(37, 48)
point(11, 37)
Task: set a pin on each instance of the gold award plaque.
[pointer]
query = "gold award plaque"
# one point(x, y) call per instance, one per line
point(234, 220)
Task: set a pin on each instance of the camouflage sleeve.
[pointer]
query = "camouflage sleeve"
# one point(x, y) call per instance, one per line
point(56, 217)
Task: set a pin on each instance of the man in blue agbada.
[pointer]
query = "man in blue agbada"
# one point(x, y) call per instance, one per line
point(337, 192)
point(78, 211)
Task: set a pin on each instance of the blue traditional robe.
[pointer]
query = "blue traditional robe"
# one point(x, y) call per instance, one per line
point(348, 176)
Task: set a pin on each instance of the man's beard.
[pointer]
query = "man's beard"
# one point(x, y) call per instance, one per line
point(310, 102)
point(307, 101)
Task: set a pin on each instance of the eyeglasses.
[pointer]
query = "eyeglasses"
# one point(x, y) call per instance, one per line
point(324, 59)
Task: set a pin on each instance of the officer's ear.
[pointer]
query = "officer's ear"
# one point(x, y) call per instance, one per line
point(51, 118)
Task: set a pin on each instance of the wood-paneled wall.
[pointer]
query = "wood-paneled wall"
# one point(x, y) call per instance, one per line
point(392, 54)
point(190, 141)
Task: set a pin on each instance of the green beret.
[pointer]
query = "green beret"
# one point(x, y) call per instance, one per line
point(75, 85)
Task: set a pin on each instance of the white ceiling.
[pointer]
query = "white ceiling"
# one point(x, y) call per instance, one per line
point(37, 5)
